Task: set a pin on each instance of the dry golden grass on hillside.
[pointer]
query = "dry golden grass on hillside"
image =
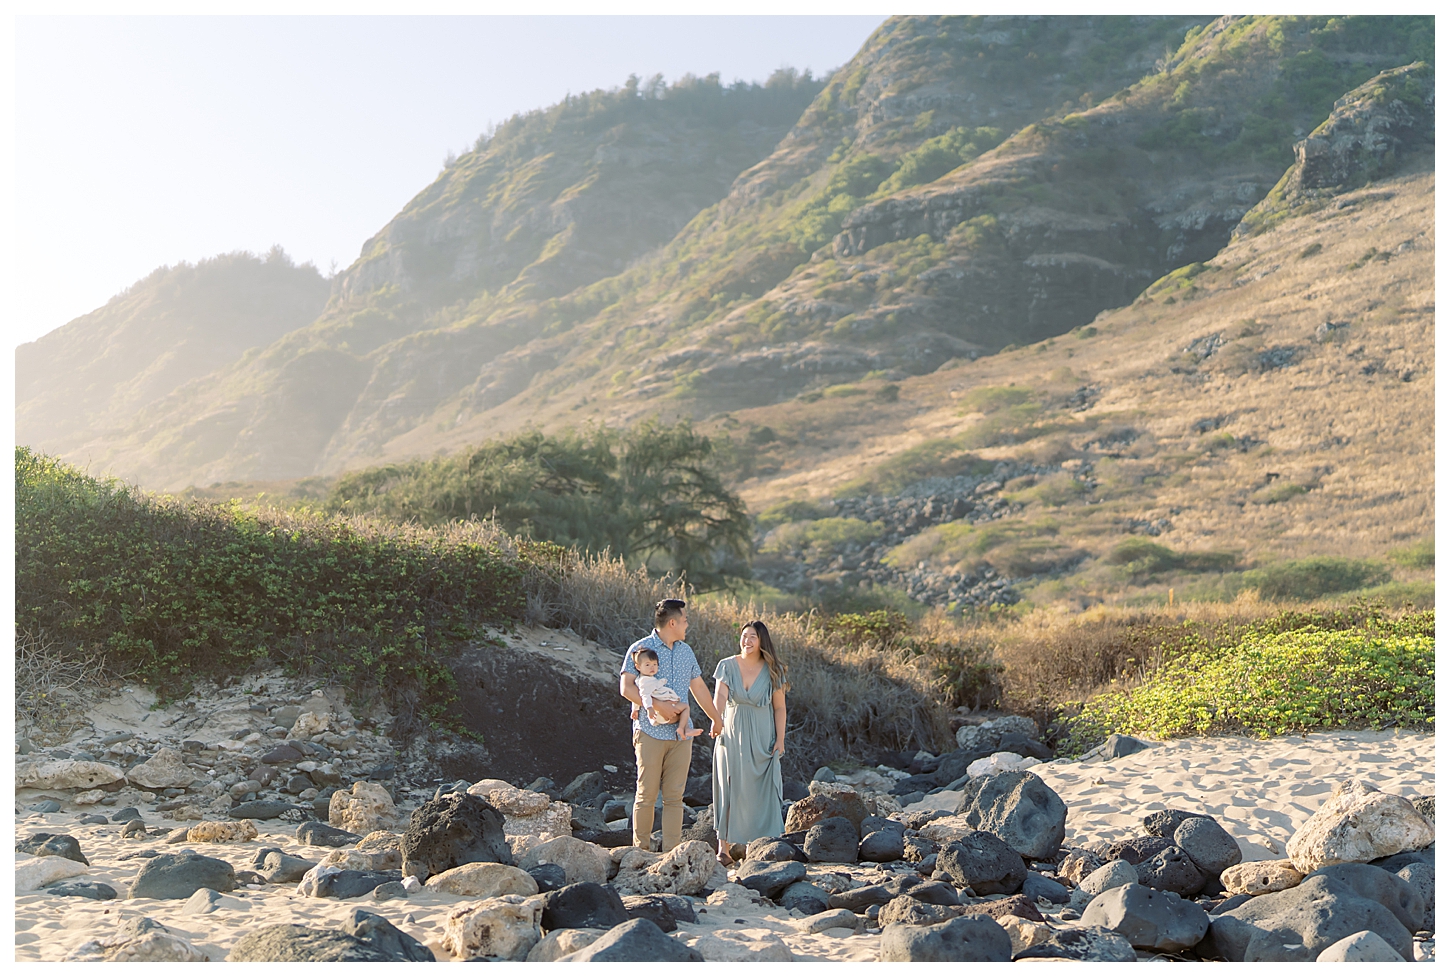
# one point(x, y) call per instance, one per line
point(1330, 453)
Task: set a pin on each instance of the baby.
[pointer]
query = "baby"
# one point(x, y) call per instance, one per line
point(660, 701)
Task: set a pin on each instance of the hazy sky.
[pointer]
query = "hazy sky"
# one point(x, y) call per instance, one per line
point(144, 141)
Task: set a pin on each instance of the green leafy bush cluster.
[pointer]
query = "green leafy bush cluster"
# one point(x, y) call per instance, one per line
point(650, 493)
point(1420, 556)
point(1270, 682)
point(1137, 556)
point(1314, 577)
point(172, 590)
point(941, 154)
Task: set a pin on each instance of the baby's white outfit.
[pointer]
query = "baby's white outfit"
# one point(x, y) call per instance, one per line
point(652, 687)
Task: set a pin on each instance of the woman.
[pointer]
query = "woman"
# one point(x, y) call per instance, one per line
point(750, 692)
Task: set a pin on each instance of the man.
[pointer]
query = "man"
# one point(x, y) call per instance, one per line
point(661, 757)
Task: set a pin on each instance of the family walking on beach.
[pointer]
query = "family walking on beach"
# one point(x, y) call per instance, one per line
point(747, 720)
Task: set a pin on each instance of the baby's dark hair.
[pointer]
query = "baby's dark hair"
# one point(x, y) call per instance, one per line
point(647, 654)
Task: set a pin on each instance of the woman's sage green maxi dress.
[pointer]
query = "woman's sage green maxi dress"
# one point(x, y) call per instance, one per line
point(746, 778)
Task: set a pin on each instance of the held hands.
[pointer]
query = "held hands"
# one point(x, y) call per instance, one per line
point(715, 729)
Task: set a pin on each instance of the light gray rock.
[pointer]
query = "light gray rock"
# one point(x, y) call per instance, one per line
point(1358, 823)
point(1116, 873)
point(1362, 947)
point(65, 774)
point(1093, 944)
point(1018, 808)
point(965, 939)
point(1211, 848)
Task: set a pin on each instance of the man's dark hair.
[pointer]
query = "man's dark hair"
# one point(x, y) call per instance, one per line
point(647, 654)
point(665, 610)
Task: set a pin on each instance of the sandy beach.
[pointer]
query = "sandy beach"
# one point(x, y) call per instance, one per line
point(1260, 791)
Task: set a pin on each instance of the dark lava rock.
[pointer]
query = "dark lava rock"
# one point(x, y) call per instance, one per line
point(124, 815)
point(350, 883)
point(282, 754)
point(1119, 745)
point(260, 810)
point(909, 785)
point(916, 849)
point(769, 878)
point(882, 846)
point(832, 840)
point(246, 876)
point(1172, 871)
point(82, 890)
point(635, 941)
point(699, 791)
point(809, 899)
point(278, 868)
point(983, 863)
point(584, 787)
point(453, 830)
point(773, 850)
point(367, 938)
point(794, 790)
point(1211, 848)
point(1232, 902)
point(826, 801)
point(876, 823)
point(93, 819)
point(1421, 876)
point(322, 804)
point(652, 908)
point(1018, 905)
point(297, 783)
point(324, 835)
point(134, 829)
point(1330, 904)
point(44, 843)
point(583, 905)
point(1094, 943)
point(390, 890)
point(46, 807)
point(1162, 824)
point(1023, 746)
point(549, 876)
point(859, 899)
point(953, 766)
point(966, 939)
point(1037, 886)
point(1134, 851)
point(1426, 806)
point(178, 876)
point(1018, 808)
point(1147, 918)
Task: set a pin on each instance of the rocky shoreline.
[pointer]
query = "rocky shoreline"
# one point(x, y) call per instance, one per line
point(172, 847)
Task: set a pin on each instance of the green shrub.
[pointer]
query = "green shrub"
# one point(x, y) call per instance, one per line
point(1314, 577)
point(1139, 557)
point(171, 590)
point(794, 510)
point(828, 535)
point(1269, 684)
point(1420, 556)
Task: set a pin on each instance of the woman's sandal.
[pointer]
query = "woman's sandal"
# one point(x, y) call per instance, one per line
point(725, 860)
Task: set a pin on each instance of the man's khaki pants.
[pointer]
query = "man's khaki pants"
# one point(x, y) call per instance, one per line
point(663, 766)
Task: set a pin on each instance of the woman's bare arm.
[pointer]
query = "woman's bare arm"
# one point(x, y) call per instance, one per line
point(777, 701)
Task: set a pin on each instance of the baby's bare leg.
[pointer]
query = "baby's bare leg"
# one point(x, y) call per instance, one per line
point(665, 711)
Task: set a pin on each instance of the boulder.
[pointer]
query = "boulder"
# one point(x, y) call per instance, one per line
point(205, 901)
point(583, 905)
point(1148, 919)
point(220, 832)
point(1365, 946)
point(997, 763)
point(483, 880)
point(139, 940)
point(1016, 905)
point(581, 861)
point(453, 830)
point(1330, 904)
point(1024, 932)
point(260, 810)
point(832, 839)
point(364, 937)
point(178, 876)
point(755, 945)
point(561, 943)
point(1257, 878)
point(328, 882)
point(1018, 808)
point(966, 939)
point(313, 722)
point(35, 873)
point(1135, 851)
point(582, 788)
point(1023, 745)
point(549, 876)
point(1358, 823)
point(555, 821)
point(510, 801)
point(809, 899)
point(918, 849)
point(325, 835)
point(828, 920)
point(66, 774)
point(167, 768)
point(1172, 871)
point(984, 863)
point(43, 844)
point(1116, 873)
point(773, 850)
point(683, 871)
point(770, 879)
point(1162, 824)
point(1091, 944)
point(82, 890)
point(882, 846)
point(914, 912)
point(1421, 876)
point(1077, 865)
point(1119, 745)
point(279, 868)
point(1037, 886)
point(502, 928)
point(652, 908)
point(635, 941)
point(362, 809)
point(826, 801)
point(1211, 848)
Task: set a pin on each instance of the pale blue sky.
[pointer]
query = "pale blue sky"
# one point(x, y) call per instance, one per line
point(144, 141)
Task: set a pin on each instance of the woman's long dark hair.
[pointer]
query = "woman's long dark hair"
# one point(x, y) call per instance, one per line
point(767, 651)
